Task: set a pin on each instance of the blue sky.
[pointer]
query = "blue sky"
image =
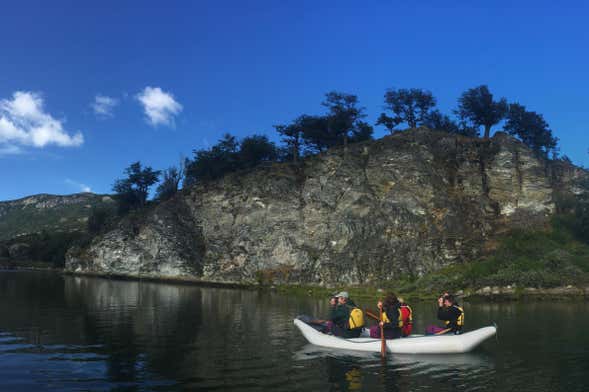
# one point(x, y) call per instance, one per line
point(203, 68)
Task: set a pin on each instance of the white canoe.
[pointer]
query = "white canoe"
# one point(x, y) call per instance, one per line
point(419, 344)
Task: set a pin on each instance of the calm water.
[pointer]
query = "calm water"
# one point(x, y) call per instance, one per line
point(90, 334)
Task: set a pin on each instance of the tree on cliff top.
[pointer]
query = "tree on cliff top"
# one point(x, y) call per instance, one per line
point(440, 122)
point(344, 118)
point(531, 129)
point(342, 124)
point(214, 162)
point(170, 182)
point(362, 132)
point(408, 105)
point(229, 155)
point(437, 121)
point(477, 106)
point(256, 149)
point(292, 135)
point(133, 190)
point(316, 133)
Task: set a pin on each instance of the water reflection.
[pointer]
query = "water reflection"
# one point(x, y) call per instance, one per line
point(74, 333)
point(353, 370)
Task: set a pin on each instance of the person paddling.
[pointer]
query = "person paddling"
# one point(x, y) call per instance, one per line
point(407, 316)
point(346, 319)
point(391, 321)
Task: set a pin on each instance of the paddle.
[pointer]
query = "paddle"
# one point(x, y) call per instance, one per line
point(382, 340)
point(369, 313)
point(383, 346)
point(443, 331)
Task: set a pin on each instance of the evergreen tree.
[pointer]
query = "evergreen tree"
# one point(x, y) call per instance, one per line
point(341, 125)
point(477, 106)
point(170, 183)
point(256, 149)
point(134, 189)
point(411, 106)
point(213, 163)
point(362, 132)
point(389, 122)
point(317, 135)
point(292, 135)
point(531, 129)
point(441, 122)
point(228, 155)
point(343, 118)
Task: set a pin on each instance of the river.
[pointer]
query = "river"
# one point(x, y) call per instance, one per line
point(70, 333)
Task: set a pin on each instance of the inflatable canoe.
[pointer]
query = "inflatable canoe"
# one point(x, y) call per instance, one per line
point(414, 344)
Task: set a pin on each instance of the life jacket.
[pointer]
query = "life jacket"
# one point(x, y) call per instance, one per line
point(459, 320)
point(356, 319)
point(407, 316)
point(385, 319)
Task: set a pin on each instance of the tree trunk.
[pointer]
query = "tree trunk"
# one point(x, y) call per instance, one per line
point(296, 146)
point(487, 131)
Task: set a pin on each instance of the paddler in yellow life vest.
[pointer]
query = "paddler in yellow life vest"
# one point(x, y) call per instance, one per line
point(392, 319)
point(346, 318)
point(451, 313)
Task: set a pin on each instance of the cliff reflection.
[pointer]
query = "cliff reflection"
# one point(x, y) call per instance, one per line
point(145, 327)
point(196, 336)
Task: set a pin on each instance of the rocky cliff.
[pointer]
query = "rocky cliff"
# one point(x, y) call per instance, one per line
point(402, 205)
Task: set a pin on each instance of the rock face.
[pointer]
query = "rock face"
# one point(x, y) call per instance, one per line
point(163, 242)
point(402, 205)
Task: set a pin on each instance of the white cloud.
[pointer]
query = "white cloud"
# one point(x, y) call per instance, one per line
point(78, 185)
point(160, 107)
point(24, 122)
point(10, 150)
point(103, 105)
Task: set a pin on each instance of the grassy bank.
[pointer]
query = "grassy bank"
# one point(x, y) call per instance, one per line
point(540, 259)
point(550, 262)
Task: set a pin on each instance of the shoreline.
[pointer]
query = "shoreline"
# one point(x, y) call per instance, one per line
point(499, 294)
point(509, 293)
point(184, 280)
point(496, 293)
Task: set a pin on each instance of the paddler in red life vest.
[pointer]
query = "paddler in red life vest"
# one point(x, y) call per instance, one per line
point(407, 316)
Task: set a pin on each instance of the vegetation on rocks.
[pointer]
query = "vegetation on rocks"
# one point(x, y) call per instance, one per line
point(49, 213)
point(540, 259)
point(384, 213)
point(556, 256)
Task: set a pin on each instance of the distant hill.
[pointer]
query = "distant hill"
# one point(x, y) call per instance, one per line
point(39, 229)
point(49, 213)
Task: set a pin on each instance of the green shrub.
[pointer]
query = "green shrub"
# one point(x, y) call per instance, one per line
point(542, 258)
